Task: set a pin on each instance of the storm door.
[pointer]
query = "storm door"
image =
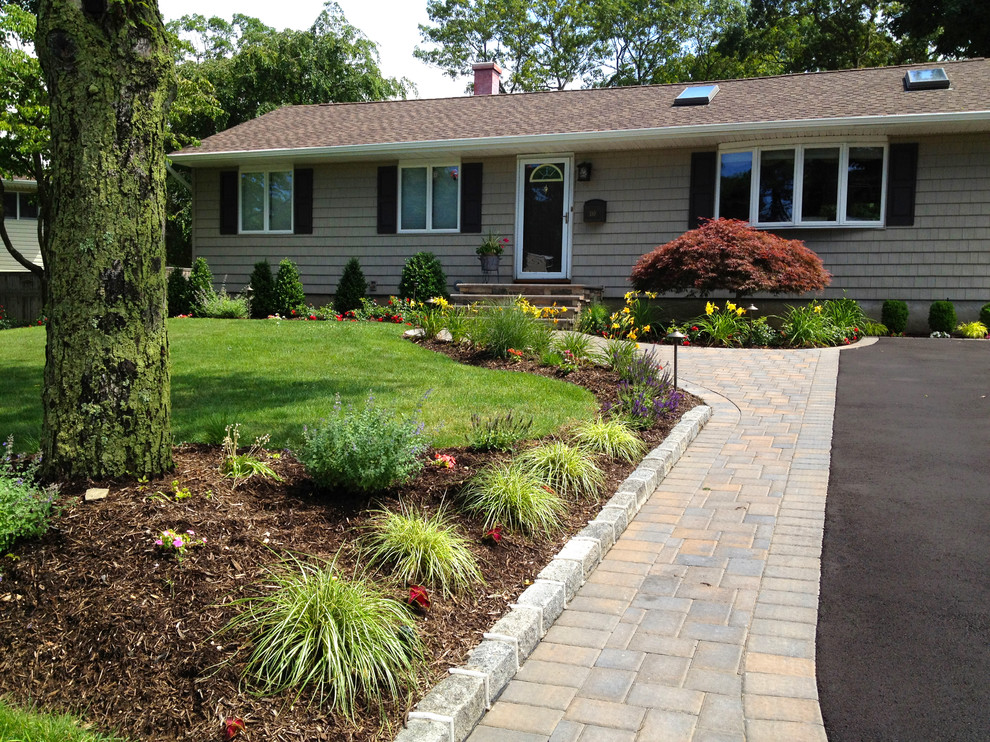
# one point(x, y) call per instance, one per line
point(543, 230)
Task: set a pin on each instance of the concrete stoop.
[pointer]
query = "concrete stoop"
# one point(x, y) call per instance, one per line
point(452, 709)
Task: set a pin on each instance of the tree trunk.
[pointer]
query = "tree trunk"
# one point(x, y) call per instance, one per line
point(106, 397)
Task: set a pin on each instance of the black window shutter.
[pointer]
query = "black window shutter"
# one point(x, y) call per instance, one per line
point(701, 192)
point(302, 199)
point(471, 173)
point(228, 202)
point(902, 176)
point(388, 199)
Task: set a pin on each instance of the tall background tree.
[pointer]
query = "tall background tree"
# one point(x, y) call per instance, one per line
point(551, 44)
point(106, 398)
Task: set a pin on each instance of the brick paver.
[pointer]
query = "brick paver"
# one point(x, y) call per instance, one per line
point(700, 622)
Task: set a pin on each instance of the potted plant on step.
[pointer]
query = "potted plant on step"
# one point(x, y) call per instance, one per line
point(490, 252)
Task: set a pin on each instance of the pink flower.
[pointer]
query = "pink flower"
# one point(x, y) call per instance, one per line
point(158, 542)
point(177, 543)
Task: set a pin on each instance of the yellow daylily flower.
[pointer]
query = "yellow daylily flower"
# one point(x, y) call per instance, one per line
point(615, 325)
point(818, 308)
point(740, 311)
point(625, 310)
point(730, 306)
point(709, 308)
point(646, 328)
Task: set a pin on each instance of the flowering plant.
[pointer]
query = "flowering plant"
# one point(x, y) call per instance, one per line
point(636, 319)
point(443, 460)
point(723, 326)
point(169, 540)
point(419, 597)
point(492, 536)
point(493, 244)
point(517, 355)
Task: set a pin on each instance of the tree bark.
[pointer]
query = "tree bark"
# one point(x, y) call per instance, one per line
point(106, 397)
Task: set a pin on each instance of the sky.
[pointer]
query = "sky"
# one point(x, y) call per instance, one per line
point(392, 24)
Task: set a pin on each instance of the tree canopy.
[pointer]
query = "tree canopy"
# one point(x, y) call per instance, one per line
point(729, 255)
point(550, 44)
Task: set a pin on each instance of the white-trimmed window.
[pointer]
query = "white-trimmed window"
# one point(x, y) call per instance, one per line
point(429, 197)
point(20, 205)
point(804, 185)
point(266, 201)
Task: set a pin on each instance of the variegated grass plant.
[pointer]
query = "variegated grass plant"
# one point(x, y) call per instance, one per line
point(421, 548)
point(569, 470)
point(609, 437)
point(313, 628)
point(513, 497)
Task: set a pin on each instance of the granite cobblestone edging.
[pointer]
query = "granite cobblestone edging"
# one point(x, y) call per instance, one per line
point(455, 705)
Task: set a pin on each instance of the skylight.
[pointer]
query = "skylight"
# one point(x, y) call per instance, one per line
point(696, 95)
point(931, 78)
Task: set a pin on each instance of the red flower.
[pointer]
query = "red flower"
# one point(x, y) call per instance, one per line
point(419, 597)
point(492, 536)
point(686, 342)
point(312, 316)
point(232, 727)
point(694, 328)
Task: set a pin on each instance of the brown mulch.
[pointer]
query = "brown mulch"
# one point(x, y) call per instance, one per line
point(96, 620)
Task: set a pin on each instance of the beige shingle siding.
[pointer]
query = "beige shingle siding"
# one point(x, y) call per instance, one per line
point(23, 234)
point(945, 253)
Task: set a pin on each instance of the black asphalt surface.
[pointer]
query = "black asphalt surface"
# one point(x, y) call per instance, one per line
point(903, 648)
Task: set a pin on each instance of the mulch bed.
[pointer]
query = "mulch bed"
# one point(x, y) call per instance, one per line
point(96, 620)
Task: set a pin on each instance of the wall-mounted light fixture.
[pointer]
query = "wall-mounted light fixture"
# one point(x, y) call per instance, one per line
point(584, 171)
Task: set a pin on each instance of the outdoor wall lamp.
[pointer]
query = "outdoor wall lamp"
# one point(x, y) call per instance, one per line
point(584, 171)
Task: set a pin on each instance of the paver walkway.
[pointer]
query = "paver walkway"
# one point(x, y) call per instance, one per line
point(699, 624)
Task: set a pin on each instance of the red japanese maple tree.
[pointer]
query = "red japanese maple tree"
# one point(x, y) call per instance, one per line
point(729, 255)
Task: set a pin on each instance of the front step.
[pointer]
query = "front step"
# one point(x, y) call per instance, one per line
point(569, 297)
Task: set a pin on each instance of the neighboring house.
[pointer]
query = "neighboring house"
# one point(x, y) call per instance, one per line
point(885, 173)
point(20, 291)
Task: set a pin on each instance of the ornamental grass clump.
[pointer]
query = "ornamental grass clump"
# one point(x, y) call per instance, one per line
point(609, 437)
point(498, 432)
point(342, 639)
point(25, 506)
point(566, 469)
point(242, 466)
point(499, 327)
point(419, 548)
point(971, 330)
point(618, 354)
point(515, 498)
point(362, 451)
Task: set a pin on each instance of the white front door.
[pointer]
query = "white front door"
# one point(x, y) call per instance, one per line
point(543, 208)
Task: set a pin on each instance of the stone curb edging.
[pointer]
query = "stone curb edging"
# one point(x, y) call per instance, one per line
point(455, 705)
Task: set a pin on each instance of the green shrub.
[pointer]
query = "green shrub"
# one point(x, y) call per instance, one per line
point(499, 432)
point(609, 437)
point(200, 284)
point(577, 344)
point(894, 315)
point(874, 329)
point(351, 288)
point(618, 353)
point(421, 549)
point(513, 497)
point(262, 290)
point(499, 327)
point(972, 330)
point(760, 333)
point(362, 451)
point(594, 319)
point(844, 313)
point(220, 305)
point(566, 469)
point(25, 507)
point(942, 316)
point(985, 314)
point(312, 628)
point(423, 278)
point(289, 295)
point(179, 298)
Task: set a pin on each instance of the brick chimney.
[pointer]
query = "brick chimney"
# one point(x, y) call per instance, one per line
point(486, 78)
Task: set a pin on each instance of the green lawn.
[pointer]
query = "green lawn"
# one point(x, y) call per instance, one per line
point(18, 725)
point(274, 377)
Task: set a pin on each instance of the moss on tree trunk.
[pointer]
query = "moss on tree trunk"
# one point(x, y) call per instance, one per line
point(106, 396)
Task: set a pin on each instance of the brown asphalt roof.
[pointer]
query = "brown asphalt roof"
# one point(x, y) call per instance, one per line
point(821, 95)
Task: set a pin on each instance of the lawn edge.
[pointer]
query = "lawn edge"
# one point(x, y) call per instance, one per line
point(450, 711)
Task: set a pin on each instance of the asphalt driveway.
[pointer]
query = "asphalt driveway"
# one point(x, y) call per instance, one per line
point(903, 646)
